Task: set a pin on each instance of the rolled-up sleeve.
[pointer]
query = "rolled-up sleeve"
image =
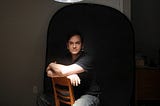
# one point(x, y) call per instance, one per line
point(86, 62)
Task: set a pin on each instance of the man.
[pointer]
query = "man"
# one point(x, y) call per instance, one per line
point(78, 66)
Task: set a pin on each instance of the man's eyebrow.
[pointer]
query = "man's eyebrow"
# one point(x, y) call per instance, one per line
point(76, 41)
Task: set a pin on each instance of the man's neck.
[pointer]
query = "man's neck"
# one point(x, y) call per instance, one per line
point(74, 57)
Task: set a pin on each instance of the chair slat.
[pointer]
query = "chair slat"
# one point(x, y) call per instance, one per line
point(63, 91)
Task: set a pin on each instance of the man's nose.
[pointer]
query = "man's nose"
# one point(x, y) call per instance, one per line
point(74, 45)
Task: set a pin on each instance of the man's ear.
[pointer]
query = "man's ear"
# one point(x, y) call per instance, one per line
point(82, 49)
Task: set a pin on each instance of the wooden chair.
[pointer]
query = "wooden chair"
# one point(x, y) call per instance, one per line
point(63, 91)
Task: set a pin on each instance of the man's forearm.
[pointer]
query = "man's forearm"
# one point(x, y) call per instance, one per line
point(56, 68)
point(64, 70)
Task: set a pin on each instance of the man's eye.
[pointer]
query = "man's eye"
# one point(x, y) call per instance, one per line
point(71, 43)
point(77, 42)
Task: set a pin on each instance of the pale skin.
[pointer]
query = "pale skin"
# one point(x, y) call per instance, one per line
point(74, 46)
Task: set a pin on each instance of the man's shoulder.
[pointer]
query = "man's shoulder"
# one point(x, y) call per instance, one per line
point(87, 56)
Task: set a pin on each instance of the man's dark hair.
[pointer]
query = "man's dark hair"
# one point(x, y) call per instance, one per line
point(69, 35)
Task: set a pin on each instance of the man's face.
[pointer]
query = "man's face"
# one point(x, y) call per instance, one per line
point(74, 44)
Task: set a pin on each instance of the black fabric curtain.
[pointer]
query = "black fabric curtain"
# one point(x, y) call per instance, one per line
point(109, 37)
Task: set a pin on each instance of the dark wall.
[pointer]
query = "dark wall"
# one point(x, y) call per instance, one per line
point(146, 22)
point(109, 37)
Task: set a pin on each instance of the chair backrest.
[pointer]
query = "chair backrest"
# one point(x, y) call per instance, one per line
point(63, 91)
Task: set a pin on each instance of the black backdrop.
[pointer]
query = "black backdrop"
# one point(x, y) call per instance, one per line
point(109, 36)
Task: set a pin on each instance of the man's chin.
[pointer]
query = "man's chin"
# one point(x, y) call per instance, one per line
point(74, 53)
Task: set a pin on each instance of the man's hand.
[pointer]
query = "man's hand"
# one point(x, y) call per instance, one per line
point(57, 68)
point(75, 80)
point(54, 70)
point(51, 74)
